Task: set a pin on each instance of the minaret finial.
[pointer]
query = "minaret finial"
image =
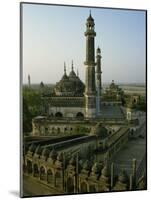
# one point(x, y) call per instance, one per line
point(90, 12)
point(72, 65)
point(64, 68)
point(29, 80)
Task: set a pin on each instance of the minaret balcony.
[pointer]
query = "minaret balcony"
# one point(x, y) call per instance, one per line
point(90, 33)
point(90, 63)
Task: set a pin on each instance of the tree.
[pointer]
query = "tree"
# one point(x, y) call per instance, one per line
point(27, 118)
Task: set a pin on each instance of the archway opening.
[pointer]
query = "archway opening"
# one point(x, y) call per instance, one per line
point(58, 130)
point(59, 115)
point(36, 170)
point(84, 187)
point(50, 177)
point(92, 188)
point(80, 115)
point(42, 173)
point(29, 167)
point(70, 185)
point(58, 179)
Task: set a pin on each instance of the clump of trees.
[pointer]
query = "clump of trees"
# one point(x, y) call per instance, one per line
point(31, 107)
point(141, 105)
point(27, 117)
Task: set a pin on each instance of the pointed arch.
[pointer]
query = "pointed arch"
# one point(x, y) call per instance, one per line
point(43, 173)
point(70, 185)
point(84, 187)
point(35, 170)
point(58, 114)
point(29, 167)
point(80, 115)
point(50, 177)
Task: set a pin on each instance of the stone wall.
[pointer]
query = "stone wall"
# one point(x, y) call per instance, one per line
point(45, 128)
point(71, 112)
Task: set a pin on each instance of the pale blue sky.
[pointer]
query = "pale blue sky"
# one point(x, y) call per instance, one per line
point(54, 34)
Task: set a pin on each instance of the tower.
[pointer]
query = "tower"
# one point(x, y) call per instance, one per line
point(98, 80)
point(90, 89)
point(28, 80)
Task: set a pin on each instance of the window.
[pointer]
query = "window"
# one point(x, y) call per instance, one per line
point(58, 130)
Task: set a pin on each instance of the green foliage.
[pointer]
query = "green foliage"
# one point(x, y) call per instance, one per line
point(141, 106)
point(27, 118)
point(33, 100)
point(31, 107)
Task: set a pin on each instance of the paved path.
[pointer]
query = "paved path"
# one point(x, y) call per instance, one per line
point(33, 187)
point(135, 148)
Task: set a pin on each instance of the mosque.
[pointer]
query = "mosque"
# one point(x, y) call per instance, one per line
point(79, 102)
point(81, 130)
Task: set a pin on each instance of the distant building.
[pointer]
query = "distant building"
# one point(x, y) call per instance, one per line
point(29, 83)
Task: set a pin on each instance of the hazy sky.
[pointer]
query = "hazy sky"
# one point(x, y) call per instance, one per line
point(54, 34)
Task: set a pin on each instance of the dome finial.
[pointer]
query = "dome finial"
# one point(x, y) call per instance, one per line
point(90, 12)
point(64, 68)
point(72, 65)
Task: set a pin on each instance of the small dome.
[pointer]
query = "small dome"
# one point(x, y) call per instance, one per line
point(90, 18)
point(123, 177)
point(113, 86)
point(96, 168)
point(100, 131)
point(72, 74)
point(45, 152)
point(72, 161)
point(69, 85)
point(60, 156)
point(53, 154)
point(64, 77)
point(98, 50)
point(86, 165)
point(38, 150)
point(105, 171)
point(32, 148)
point(42, 84)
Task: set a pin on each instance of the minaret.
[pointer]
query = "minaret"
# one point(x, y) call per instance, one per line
point(28, 80)
point(90, 90)
point(98, 80)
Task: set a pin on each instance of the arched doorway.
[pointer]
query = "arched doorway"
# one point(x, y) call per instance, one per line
point(92, 188)
point(50, 178)
point(29, 167)
point(36, 170)
point(84, 187)
point(80, 115)
point(58, 179)
point(58, 130)
point(70, 185)
point(59, 115)
point(42, 173)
